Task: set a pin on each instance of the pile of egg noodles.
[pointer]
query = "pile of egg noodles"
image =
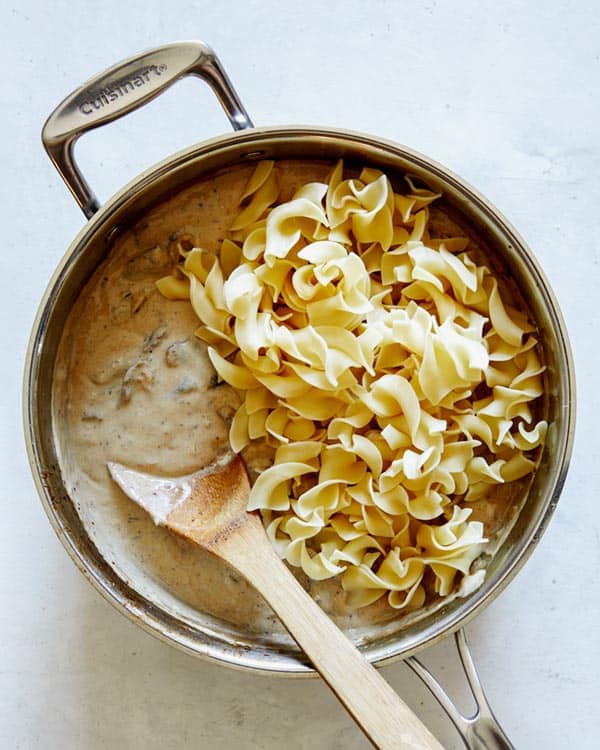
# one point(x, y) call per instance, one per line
point(383, 371)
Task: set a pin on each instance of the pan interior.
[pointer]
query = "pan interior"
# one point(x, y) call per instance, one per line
point(102, 318)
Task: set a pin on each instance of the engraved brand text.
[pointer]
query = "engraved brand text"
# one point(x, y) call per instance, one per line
point(123, 88)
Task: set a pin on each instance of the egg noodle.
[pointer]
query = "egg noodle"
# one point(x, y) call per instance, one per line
point(381, 370)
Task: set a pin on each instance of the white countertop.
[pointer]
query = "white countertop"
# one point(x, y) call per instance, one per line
point(506, 94)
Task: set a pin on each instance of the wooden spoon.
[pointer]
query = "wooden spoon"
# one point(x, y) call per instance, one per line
point(209, 508)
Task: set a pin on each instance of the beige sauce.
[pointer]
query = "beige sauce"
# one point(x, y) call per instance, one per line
point(133, 385)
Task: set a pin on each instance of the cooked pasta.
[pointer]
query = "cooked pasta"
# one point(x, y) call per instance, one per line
point(384, 371)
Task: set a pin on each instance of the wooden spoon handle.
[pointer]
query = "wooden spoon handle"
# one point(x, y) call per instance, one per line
point(381, 714)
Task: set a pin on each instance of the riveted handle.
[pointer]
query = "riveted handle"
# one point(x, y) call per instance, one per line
point(123, 88)
point(481, 731)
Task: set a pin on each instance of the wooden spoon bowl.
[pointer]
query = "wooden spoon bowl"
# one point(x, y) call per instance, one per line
point(209, 508)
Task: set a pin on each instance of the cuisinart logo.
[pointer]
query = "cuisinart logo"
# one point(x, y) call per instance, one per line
point(121, 89)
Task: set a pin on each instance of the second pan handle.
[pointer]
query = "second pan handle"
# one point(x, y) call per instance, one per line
point(123, 88)
point(481, 731)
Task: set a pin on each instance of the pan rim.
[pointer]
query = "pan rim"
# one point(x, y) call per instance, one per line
point(141, 610)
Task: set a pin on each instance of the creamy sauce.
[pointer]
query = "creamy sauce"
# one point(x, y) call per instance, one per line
point(133, 385)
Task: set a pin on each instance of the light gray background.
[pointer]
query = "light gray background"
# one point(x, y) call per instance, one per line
point(504, 93)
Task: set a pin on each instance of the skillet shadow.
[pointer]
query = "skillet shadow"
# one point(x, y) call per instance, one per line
point(137, 692)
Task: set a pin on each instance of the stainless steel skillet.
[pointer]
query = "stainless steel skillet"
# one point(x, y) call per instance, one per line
point(129, 85)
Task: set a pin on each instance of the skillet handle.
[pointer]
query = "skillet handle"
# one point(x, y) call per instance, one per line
point(481, 731)
point(123, 88)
